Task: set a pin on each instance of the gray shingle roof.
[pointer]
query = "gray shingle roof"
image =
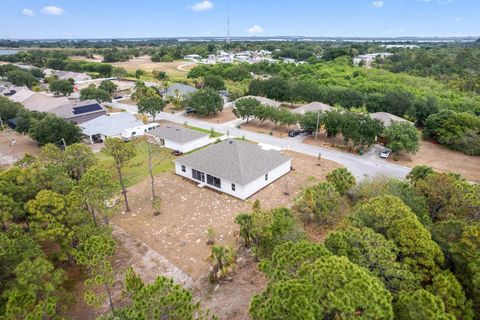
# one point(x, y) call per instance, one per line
point(183, 89)
point(387, 118)
point(263, 100)
point(67, 110)
point(313, 107)
point(177, 134)
point(236, 161)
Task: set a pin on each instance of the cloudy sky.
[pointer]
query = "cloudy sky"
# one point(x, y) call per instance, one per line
point(174, 18)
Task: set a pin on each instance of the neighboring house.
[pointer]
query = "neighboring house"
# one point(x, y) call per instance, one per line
point(264, 101)
point(34, 101)
point(313, 107)
point(177, 89)
point(109, 126)
point(178, 138)
point(235, 167)
point(65, 75)
point(387, 118)
point(80, 112)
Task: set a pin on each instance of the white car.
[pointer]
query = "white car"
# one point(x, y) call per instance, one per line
point(385, 153)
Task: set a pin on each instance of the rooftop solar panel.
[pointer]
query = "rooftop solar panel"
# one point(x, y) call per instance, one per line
point(86, 109)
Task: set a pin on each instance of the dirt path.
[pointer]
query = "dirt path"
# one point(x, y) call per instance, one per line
point(148, 262)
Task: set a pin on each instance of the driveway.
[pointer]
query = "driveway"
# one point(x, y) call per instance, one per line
point(362, 167)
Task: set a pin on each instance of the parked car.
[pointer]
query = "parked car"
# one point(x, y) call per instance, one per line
point(385, 153)
point(294, 133)
point(190, 110)
point(177, 153)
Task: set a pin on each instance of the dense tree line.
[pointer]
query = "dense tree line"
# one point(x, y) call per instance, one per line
point(59, 60)
point(457, 67)
point(19, 76)
point(406, 250)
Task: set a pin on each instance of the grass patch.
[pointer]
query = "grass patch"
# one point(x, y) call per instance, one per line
point(212, 134)
point(137, 170)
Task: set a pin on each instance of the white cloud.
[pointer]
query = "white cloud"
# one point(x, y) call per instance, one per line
point(255, 29)
point(28, 12)
point(52, 10)
point(377, 4)
point(201, 6)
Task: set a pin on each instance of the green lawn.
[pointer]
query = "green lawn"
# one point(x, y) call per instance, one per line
point(214, 135)
point(137, 169)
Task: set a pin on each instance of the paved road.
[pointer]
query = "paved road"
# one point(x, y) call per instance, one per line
point(368, 165)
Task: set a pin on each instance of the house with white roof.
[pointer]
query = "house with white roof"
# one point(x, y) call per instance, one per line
point(178, 138)
point(109, 126)
point(238, 168)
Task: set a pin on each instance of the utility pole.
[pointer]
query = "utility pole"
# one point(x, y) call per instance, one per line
point(317, 126)
point(228, 23)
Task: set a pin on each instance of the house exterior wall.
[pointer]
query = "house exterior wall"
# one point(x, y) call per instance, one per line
point(184, 148)
point(241, 192)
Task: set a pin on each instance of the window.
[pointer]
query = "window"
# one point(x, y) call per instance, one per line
point(198, 175)
point(183, 168)
point(266, 176)
point(233, 186)
point(134, 133)
point(214, 181)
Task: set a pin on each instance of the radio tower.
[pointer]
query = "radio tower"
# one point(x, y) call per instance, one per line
point(228, 24)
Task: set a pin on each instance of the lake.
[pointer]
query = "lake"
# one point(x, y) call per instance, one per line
point(4, 52)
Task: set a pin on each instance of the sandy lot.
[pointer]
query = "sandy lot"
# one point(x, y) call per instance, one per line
point(266, 127)
point(443, 159)
point(221, 117)
point(13, 146)
point(180, 231)
point(146, 64)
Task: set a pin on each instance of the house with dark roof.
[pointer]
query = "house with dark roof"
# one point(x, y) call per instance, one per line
point(178, 138)
point(80, 112)
point(238, 168)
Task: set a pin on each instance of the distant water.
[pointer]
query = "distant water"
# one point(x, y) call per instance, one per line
point(4, 52)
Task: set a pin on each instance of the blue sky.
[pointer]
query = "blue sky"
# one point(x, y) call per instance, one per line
point(162, 18)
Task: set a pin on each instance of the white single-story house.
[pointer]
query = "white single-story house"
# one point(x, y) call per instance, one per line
point(109, 126)
point(178, 138)
point(313, 107)
point(387, 118)
point(238, 168)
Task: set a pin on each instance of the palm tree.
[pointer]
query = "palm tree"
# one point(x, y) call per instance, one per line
point(222, 258)
point(244, 220)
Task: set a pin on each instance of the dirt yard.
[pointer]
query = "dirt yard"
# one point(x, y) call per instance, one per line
point(180, 231)
point(443, 159)
point(173, 69)
point(221, 117)
point(266, 127)
point(13, 146)
point(173, 244)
